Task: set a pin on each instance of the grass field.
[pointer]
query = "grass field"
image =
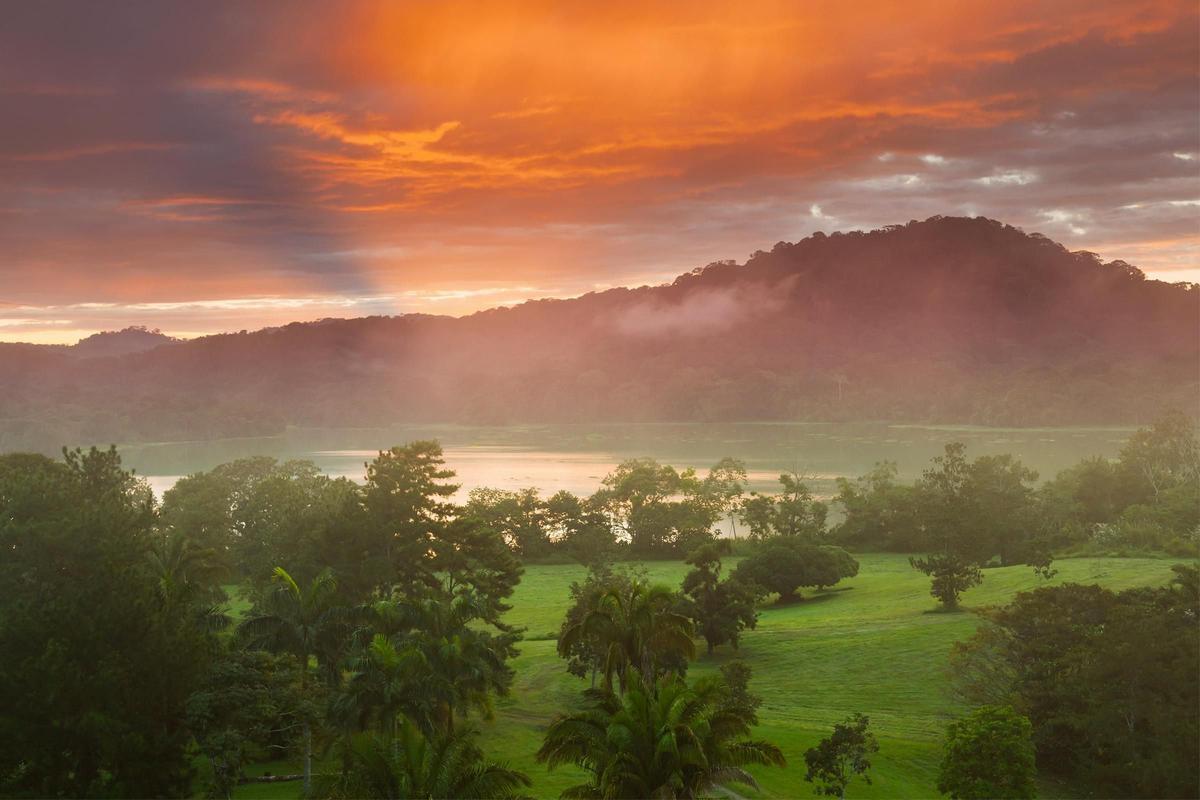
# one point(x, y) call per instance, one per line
point(875, 644)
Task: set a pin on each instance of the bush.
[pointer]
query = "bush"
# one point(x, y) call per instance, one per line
point(783, 564)
point(989, 756)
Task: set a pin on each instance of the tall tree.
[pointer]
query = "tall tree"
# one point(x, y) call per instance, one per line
point(972, 511)
point(636, 631)
point(581, 529)
point(584, 654)
point(429, 659)
point(662, 510)
point(213, 509)
point(407, 498)
point(305, 623)
point(97, 662)
point(250, 704)
point(469, 558)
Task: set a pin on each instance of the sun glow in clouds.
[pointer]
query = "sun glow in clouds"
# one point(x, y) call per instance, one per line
point(225, 170)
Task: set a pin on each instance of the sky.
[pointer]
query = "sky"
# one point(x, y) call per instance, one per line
point(204, 167)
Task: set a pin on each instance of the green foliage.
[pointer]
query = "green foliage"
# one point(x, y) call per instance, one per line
point(660, 510)
point(429, 659)
point(841, 756)
point(792, 512)
point(97, 663)
point(720, 609)
point(976, 509)
point(879, 512)
point(435, 644)
point(989, 756)
point(952, 575)
point(407, 503)
point(633, 629)
point(468, 559)
point(521, 518)
point(979, 510)
point(256, 514)
point(1148, 500)
point(783, 564)
point(413, 765)
point(302, 623)
point(580, 529)
point(1108, 680)
point(1090, 493)
point(585, 654)
point(659, 739)
point(427, 541)
point(249, 707)
point(217, 509)
point(1163, 456)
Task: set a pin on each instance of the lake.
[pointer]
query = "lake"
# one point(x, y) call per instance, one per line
point(577, 457)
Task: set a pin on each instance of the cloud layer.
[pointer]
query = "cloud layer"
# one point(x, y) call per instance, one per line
point(213, 166)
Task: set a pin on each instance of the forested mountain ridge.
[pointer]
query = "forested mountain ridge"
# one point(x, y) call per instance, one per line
point(960, 320)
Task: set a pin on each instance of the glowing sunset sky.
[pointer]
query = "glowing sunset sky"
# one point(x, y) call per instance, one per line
point(204, 167)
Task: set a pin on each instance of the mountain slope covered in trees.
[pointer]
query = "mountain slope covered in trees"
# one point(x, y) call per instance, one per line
point(945, 320)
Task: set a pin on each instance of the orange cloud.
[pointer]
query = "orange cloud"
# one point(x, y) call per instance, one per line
point(402, 150)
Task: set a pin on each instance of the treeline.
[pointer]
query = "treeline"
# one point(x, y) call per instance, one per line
point(119, 662)
point(1148, 499)
point(376, 637)
point(947, 320)
point(375, 634)
point(258, 513)
point(967, 515)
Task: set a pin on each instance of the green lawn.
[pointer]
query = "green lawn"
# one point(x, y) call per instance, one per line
point(876, 644)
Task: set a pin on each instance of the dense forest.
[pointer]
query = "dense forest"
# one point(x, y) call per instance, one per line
point(375, 639)
point(946, 320)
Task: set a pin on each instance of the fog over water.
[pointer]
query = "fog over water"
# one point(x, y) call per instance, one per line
point(577, 457)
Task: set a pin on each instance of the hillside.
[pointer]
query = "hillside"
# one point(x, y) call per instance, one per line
point(948, 320)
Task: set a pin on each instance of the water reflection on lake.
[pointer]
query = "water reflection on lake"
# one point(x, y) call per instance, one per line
point(576, 457)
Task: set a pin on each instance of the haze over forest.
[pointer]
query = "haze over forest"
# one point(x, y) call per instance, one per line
point(954, 320)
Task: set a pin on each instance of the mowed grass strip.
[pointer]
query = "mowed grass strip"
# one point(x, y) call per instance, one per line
point(876, 643)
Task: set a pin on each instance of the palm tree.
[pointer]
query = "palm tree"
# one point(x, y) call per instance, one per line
point(667, 740)
point(428, 659)
point(188, 579)
point(466, 664)
point(305, 623)
point(412, 765)
point(386, 684)
point(635, 629)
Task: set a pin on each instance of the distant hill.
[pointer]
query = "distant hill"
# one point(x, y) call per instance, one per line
point(120, 343)
point(134, 339)
point(952, 320)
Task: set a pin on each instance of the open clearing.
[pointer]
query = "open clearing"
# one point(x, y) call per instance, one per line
point(875, 644)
